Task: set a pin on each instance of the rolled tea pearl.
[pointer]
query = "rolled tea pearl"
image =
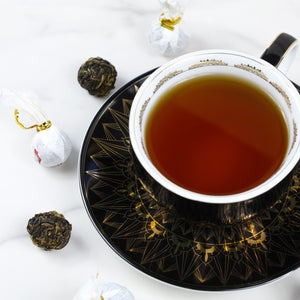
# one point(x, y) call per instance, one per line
point(51, 147)
point(93, 290)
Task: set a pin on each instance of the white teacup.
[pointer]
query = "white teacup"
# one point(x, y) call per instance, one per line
point(255, 70)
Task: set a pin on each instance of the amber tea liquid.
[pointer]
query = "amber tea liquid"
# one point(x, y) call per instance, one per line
point(216, 135)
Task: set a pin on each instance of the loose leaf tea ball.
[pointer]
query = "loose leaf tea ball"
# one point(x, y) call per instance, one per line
point(49, 230)
point(98, 76)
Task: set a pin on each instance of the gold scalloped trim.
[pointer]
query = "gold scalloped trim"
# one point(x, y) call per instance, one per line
point(295, 134)
point(252, 70)
point(207, 62)
point(144, 106)
point(166, 78)
point(283, 93)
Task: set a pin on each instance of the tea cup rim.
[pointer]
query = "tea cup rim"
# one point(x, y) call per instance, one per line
point(214, 199)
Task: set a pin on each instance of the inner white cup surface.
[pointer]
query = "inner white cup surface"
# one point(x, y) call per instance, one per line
point(221, 62)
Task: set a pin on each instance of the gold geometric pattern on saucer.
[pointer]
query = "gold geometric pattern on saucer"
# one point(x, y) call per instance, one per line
point(187, 244)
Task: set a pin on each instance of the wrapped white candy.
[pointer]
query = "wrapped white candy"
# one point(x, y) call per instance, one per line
point(50, 146)
point(165, 35)
point(94, 290)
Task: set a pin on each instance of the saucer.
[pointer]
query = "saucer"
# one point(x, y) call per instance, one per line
point(181, 242)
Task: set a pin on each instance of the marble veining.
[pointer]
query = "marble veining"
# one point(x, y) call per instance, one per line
point(43, 44)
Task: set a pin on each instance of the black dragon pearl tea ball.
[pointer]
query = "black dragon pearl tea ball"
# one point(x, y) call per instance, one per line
point(98, 76)
point(49, 230)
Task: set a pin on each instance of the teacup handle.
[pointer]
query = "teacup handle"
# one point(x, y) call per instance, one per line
point(281, 53)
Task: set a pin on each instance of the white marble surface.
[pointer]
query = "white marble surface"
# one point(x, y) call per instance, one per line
point(43, 44)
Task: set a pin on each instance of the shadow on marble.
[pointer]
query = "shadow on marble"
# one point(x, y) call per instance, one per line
point(71, 163)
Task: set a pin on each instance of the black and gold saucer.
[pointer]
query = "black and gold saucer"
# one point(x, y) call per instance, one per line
point(181, 242)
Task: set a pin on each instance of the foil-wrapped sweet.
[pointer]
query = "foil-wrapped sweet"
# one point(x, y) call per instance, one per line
point(51, 146)
point(49, 230)
point(166, 34)
point(98, 76)
point(93, 289)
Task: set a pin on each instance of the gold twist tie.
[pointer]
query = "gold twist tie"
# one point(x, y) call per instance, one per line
point(43, 126)
point(168, 23)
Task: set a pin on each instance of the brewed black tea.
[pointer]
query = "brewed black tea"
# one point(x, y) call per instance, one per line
point(216, 135)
